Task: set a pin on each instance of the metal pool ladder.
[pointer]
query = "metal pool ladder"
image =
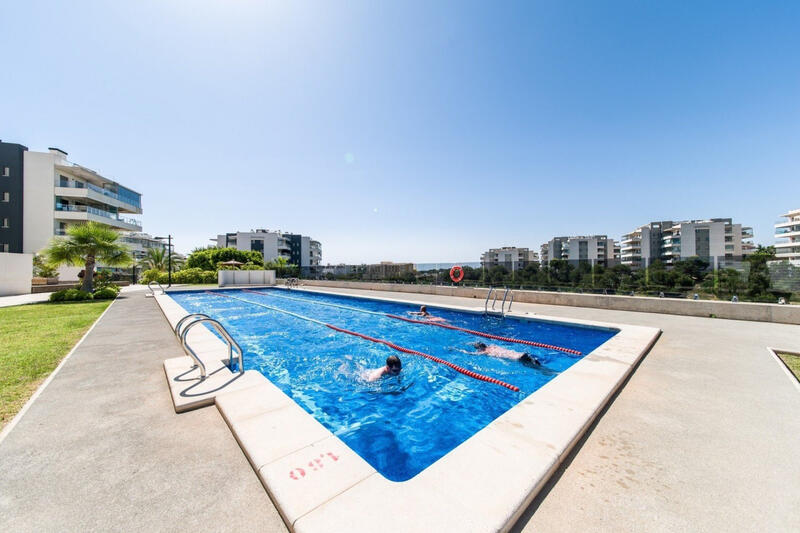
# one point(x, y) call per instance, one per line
point(503, 309)
point(200, 318)
point(152, 292)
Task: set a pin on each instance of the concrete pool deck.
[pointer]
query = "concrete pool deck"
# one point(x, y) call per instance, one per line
point(702, 437)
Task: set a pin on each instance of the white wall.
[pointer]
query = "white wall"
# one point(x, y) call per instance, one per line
point(16, 271)
point(245, 277)
point(38, 223)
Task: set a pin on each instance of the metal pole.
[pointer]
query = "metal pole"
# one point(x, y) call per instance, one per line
point(169, 260)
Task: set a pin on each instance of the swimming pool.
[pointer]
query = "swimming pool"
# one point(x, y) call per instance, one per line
point(399, 425)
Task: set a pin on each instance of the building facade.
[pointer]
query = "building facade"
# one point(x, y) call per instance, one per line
point(299, 250)
point(139, 244)
point(388, 270)
point(787, 236)
point(508, 256)
point(595, 249)
point(42, 193)
point(670, 241)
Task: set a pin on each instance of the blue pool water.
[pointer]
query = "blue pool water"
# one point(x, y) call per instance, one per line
point(399, 425)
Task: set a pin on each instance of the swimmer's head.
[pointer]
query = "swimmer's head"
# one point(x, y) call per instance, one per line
point(479, 346)
point(423, 309)
point(530, 360)
point(394, 365)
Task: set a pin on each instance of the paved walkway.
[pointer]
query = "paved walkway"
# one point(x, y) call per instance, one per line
point(703, 437)
point(22, 299)
point(102, 449)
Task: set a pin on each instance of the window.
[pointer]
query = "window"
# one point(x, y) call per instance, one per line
point(6, 172)
point(5, 223)
point(6, 197)
point(3, 247)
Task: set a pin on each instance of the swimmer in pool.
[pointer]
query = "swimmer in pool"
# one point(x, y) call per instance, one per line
point(392, 368)
point(423, 313)
point(504, 353)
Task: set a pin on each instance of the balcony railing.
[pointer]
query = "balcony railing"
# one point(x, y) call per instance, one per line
point(98, 212)
point(104, 192)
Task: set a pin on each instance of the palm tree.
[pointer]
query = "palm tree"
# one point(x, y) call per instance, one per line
point(85, 245)
point(157, 258)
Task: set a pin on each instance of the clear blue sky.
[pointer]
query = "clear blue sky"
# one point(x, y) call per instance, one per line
point(421, 131)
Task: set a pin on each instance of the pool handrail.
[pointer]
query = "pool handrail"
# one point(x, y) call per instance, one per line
point(225, 335)
point(503, 306)
point(149, 286)
point(190, 316)
point(486, 303)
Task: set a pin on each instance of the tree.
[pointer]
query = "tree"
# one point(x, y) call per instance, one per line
point(208, 258)
point(85, 245)
point(758, 282)
point(158, 259)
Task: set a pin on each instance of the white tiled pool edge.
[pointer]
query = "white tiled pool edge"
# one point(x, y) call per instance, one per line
point(484, 484)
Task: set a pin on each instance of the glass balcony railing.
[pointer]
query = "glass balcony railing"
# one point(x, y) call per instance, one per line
point(128, 199)
point(98, 212)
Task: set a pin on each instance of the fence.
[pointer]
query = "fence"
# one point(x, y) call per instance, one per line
point(754, 278)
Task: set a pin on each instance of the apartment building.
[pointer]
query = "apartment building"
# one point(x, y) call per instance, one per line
point(297, 249)
point(139, 244)
point(509, 256)
point(671, 241)
point(787, 236)
point(596, 249)
point(43, 193)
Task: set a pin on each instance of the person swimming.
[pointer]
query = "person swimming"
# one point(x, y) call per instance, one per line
point(423, 313)
point(392, 368)
point(498, 351)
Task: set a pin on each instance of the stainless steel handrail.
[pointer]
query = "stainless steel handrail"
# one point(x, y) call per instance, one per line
point(494, 301)
point(225, 335)
point(149, 286)
point(512, 301)
point(193, 316)
point(503, 306)
point(486, 303)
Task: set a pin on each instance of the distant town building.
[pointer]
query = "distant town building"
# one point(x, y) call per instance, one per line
point(42, 193)
point(297, 249)
point(670, 241)
point(388, 270)
point(787, 236)
point(596, 249)
point(508, 256)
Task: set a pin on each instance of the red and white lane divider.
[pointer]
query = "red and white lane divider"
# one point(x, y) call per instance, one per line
point(487, 335)
point(391, 345)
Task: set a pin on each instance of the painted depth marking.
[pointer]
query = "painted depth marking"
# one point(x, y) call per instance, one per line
point(314, 465)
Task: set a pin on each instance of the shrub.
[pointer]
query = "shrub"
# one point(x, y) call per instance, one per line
point(150, 275)
point(209, 276)
point(106, 293)
point(70, 295)
point(208, 258)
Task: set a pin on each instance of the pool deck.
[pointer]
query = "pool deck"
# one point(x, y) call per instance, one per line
point(703, 437)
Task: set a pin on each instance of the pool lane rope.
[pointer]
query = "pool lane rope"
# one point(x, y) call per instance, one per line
point(391, 345)
point(487, 335)
point(428, 323)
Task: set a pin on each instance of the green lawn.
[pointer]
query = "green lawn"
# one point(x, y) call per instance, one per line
point(792, 361)
point(34, 340)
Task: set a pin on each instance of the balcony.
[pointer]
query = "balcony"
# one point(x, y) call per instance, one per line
point(86, 213)
point(98, 194)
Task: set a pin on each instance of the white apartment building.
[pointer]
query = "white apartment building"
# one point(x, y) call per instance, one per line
point(671, 241)
point(787, 236)
point(297, 249)
point(42, 193)
point(597, 249)
point(140, 243)
point(512, 256)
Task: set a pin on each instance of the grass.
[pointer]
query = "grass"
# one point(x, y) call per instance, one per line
point(35, 338)
point(792, 361)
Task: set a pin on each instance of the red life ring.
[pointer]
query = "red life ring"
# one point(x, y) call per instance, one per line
point(456, 274)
